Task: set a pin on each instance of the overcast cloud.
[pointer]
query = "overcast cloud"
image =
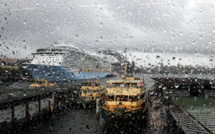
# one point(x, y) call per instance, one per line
point(183, 26)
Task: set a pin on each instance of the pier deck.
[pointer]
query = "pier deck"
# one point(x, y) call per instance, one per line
point(206, 117)
point(186, 122)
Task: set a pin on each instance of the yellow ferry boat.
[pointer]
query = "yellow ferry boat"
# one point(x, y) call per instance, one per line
point(41, 83)
point(89, 92)
point(125, 99)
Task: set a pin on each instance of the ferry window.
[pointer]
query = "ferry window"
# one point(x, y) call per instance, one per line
point(91, 91)
point(142, 96)
point(109, 85)
point(97, 84)
point(114, 85)
point(138, 84)
point(89, 84)
point(84, 84)
point(40, 82)
point(84, 91)
point(133, 98)
point(134, 85)
point(127, 84)
point(110, 97)
point(122, 85)
point(122, 98)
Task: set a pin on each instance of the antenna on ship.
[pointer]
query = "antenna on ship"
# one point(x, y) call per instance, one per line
point(124, 62)
point(132, 66)
point(125, 53)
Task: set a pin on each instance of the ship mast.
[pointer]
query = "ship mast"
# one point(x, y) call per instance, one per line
point(124, 62)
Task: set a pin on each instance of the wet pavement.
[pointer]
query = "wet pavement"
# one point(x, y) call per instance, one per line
point(70, 121)
point(158, 120)
point(84, 121)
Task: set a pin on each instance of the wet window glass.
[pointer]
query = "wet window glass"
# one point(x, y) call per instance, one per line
point(110, 98)
point(107, 66)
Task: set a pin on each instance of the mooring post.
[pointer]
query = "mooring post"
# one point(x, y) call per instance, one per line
point(27, 109)
point(97, 108)
point(13, 112)
point(178, 129)
point(191, 90)
point(39, 102)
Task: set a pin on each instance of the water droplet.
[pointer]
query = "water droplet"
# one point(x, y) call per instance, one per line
point(101, 24)
point(77, 36)
point(87, 127)
point(37, 4)
point(166, 97)
point(25, 22)
point(176, 85)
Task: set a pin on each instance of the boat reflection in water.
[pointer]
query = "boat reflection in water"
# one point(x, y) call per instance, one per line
point(125, 102)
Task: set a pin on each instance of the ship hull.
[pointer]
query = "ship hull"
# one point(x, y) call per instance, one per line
point(125, 122)
point(111, 117)
point(60, 73)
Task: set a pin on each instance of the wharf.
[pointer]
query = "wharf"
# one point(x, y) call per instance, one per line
point(186, 122)
point(158, 119)
point(173, 119)
point(189, 116)
point(21, 90)
point(18, 110)
point(206, 117)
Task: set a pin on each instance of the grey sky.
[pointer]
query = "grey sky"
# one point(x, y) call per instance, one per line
point(151, 26)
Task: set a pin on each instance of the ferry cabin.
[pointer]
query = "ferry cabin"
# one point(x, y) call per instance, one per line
point(89, 92)
point(125, 94)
